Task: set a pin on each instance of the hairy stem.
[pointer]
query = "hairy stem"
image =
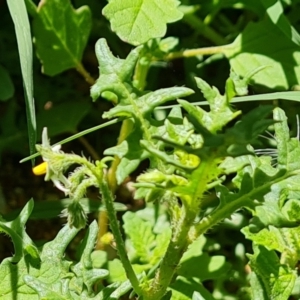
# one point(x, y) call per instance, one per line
point(170, 261)
point(114, 225)
point(112, 182)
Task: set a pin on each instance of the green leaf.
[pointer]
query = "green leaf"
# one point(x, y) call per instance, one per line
point(275, 12)
point(288, 148)
point(47, 274)
point(220, 112)
point(136, 21)
point(49, 270)
point(140, 234)
point(264, 44)
point(130, 152)
point(183, 289)
point(6, 88)
point(16, 230)
point(19, 15)
point(270, 212)
point(86, 275)
point(116, 78)
point(270, 280)
point(116, 73)
point(55, 118)
point(283, 240)
point(211, 267)
point(61, 34)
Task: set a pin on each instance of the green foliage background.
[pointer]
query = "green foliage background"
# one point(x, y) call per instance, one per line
point(242, 54)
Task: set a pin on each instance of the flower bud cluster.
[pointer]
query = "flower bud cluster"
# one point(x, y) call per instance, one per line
point(55, 164)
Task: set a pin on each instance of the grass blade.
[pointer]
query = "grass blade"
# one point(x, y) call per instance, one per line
point(19, 15)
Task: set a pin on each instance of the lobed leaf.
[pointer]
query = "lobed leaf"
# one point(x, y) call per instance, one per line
point(140, 234)
point(16, 230)
point(270, 279)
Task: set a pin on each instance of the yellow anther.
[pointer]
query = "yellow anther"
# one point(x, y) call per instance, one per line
point(40, 169)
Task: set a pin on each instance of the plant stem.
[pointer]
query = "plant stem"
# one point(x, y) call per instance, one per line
point(86, 75)
point(195, 52)
point(170, 261)
point(140, 74)
point(114, 225)
point(112, 182)
point(202, 28)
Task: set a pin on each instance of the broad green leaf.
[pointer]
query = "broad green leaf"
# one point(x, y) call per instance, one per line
point(137, 21)
point(275, 12)
point(99, 258)
point(19, 15)
point(271, 280)
point(264, 44)
point(55, 118)
point(61, 34)
point(6, 86)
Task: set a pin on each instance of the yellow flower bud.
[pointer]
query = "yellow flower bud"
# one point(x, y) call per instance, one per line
point(40, 169)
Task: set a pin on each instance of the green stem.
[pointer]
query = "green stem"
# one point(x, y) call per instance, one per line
point(114, 225)
point(140, 74)
point(170, 261)
point(227, 209)
point(195, 52)
point(86, 75)
point(202, 28)
point(112, 183)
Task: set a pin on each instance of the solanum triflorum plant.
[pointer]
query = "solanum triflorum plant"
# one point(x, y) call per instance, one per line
point(190, 153)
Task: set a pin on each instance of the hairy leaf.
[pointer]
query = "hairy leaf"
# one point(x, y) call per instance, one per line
point(45, 273)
